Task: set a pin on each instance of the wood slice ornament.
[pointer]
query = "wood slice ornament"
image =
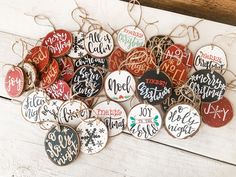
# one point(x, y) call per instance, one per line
point(30, 75)
point(14, 81)
point(78, 49)
point(93, 135)
point(112, 114)
point(99, 43)
point(58, 42)
point(140, 60)
point(209, 85)
point(218, 113)
point(120, 85)
point(31, 104)
point(59, 90)
point(210, 56)
point(116, 58)
point(182, 121)
point(99, 63)
point(87, 82)
point(162, 41)
point(154, 87)
point(178, 51)
point(67, 68)
point(71, 112)
point(130, 37)
point(50, 75)
point(144, 121)
point(39, 57)
point(176, 70)
point(62, 145)
point(48, 113)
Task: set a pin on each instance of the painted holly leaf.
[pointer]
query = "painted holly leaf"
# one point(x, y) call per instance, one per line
point(155, 120)
point(127, 96)
point(132, 122)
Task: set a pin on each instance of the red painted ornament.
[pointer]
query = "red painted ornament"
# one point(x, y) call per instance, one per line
point(176, 70)
point(14, 82)
point(59, 90)
point(178, 51)
point(58, 42)
point(49, 76)
point(218, 113)
point(39, 57)
point(67, 68)
point(140, 60)
point(115, 59)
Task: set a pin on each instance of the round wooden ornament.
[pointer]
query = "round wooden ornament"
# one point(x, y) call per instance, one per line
point(78, 49)
point(62, 145)
point(182, 121)
point(39, 57)
point(176, 70)
point(93, 135)
point(30, 75)
point(116, 58)
point(50, 75)
point(58, 42)
point(14, 81)
point(99, 43)
point(218, 113)
point(99, 63)
point(120, 85)
point(31, 104)
point(161, 41)
point(210, 57)
point(178, 51)
point(144, 121)
point(87, 82)
point(67, 68)
point(209, 85)
point(130, 37)
point(48, 113)
point(72, 111)
point(140, 60)
point(154, 87)
point(59, 90)
point(112, 114)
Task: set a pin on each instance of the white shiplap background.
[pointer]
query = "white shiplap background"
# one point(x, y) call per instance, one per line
point(211, 152)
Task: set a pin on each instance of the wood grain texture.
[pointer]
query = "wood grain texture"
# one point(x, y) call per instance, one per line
point(217, 10)
point(124, 155)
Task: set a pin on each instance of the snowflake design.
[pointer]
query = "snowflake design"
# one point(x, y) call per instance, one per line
point(101, 130)
point(89, 149)
point(90, 137)
point(80, 54)
point(99, 143)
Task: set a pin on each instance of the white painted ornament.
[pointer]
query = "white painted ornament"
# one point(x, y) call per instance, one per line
point(71, 112)
point(144, 121)
point(99, 43)
point(31, 104)
point(182, 121)
point(120, 85)
point(112, 114)
point(48, 113)
point(210, 56)
point(130, 37)
point(78, 49)
point(93, 135)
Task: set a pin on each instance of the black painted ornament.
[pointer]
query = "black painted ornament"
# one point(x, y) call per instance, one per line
point(62, 145)
point(87, 82)
point(154, 87)
point(99, 63)
point(209, 85)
